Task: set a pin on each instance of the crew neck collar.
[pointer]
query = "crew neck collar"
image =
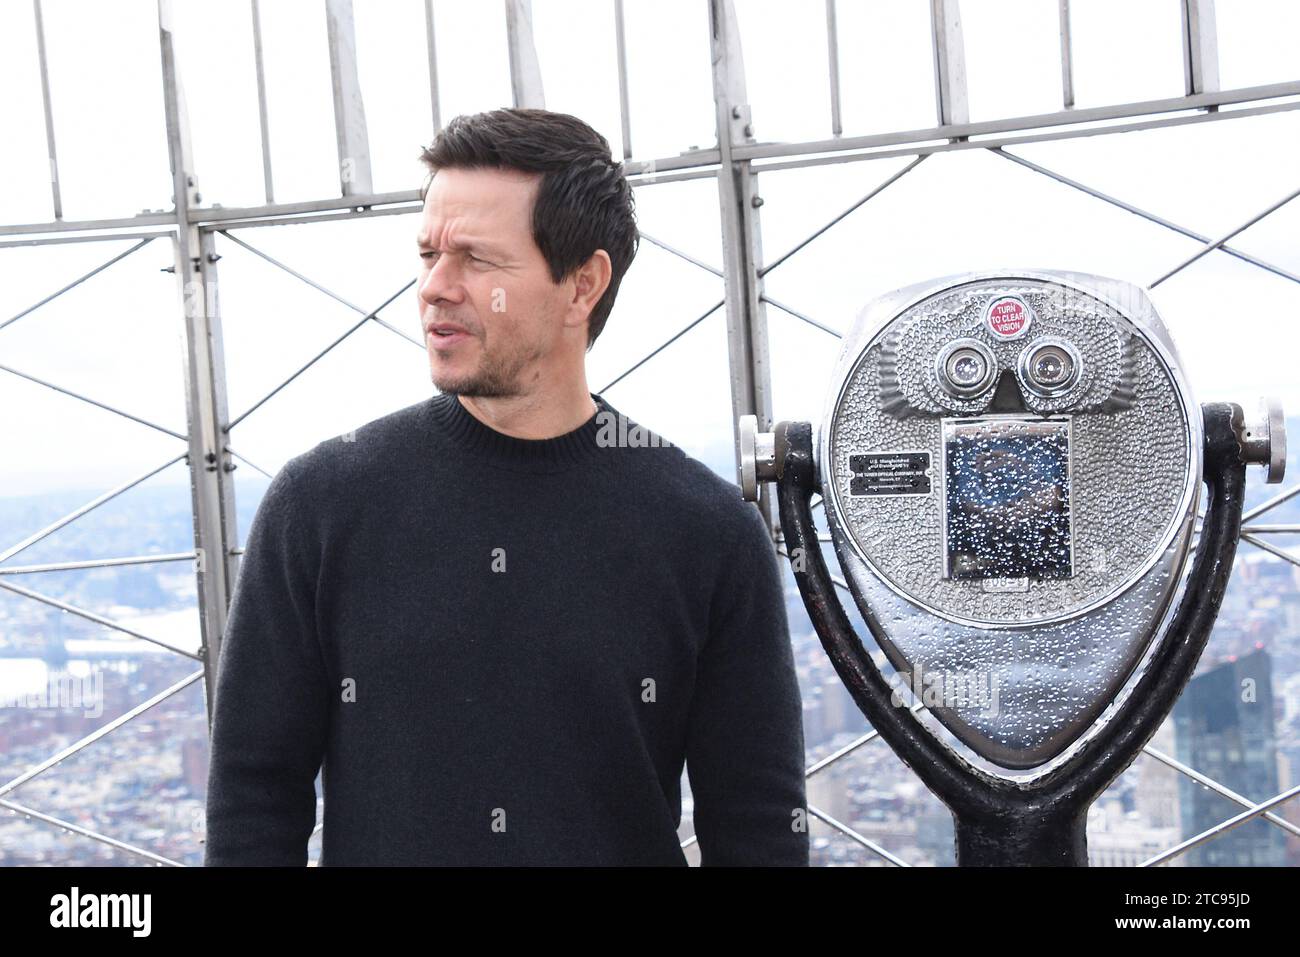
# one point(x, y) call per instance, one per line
point(546, 455)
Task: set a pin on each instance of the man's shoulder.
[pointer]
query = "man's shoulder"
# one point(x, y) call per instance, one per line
point(376, 445)
point(690, 490)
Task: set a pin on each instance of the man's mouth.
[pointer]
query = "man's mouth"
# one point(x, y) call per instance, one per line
point(444, 334)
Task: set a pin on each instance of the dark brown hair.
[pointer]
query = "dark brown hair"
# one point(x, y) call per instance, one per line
point(583, 203)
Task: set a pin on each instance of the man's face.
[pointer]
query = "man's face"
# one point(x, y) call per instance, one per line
point(490, 313)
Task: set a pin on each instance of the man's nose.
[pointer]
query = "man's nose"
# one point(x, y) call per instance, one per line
point(442, 282)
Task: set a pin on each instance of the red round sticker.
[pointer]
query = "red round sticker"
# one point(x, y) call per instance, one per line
point(1007, 317)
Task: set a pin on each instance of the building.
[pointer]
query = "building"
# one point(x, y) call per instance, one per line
point(1224, 729)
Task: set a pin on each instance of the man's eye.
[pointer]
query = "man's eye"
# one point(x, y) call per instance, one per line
point(433, 254)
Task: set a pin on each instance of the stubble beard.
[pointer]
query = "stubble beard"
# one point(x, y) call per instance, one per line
point(497, 377)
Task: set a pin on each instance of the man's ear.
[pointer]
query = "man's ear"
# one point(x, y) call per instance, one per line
point(590, 280)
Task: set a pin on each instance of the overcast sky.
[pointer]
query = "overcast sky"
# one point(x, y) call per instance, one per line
point(117, 337)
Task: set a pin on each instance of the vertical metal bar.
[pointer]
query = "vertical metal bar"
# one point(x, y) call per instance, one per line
point(264, 124)
point(211, 485)
point(949, 63)
point(52, 160)
point(741, 237)
point(1200, 47)
point(525, 71)
point(1067, 58)
point(434, 104)
point(179, 151)
point(625, 114)
point(349, 110)
point(833, 58)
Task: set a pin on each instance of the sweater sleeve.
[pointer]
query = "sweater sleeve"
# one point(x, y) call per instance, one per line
point(271, 709)
point(744, 749)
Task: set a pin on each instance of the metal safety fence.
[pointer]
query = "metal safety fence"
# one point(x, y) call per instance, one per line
point(734, 164)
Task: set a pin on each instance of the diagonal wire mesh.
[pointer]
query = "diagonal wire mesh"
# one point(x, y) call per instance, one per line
point(954, 133)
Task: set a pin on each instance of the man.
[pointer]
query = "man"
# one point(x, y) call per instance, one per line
point(506, 615)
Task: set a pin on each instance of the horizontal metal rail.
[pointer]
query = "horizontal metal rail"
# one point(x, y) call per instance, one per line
point(694, 164)
point(96, 563)
point(88, 238)
point(1036, 121)
point(960, 145)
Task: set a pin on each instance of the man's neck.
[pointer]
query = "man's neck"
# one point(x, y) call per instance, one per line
point(534, 416)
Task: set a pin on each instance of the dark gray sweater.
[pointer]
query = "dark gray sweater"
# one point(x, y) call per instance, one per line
point(503, 650)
